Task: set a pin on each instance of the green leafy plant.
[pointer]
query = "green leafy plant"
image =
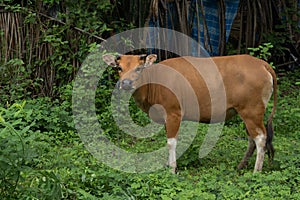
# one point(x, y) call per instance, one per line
point(12, 159)
point(262, 52)
point(21, 147)
point(15, 152)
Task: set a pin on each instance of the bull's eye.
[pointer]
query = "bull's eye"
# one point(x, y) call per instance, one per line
point(138, 69)
point(119, 68)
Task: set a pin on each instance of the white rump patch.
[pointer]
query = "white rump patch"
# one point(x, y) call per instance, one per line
point(267, 91)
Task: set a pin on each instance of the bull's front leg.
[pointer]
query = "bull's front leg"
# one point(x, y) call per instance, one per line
point(172, 142)
point(172, 127)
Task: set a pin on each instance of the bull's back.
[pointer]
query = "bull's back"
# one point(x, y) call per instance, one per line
point(221, 84)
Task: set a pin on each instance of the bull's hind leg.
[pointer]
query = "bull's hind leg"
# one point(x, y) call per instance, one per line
point(248, 154)
point(260, 141)
point(253, 119)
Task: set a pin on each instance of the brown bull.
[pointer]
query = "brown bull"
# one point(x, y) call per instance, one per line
point(222, 86)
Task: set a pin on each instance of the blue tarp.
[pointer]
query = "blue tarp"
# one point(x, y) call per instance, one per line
point(211, 14)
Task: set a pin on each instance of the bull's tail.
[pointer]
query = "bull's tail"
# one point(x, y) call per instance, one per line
point(269, 145)
point(270, 130)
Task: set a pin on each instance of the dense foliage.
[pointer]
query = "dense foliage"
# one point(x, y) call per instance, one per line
point(43, 43)
point(42, 157)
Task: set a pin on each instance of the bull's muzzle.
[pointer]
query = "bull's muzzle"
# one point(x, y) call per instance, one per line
point(126, 84)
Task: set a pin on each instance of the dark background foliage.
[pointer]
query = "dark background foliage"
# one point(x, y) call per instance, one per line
point(45, 41)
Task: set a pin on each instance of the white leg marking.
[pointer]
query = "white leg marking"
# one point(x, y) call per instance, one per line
point(260, 142)
point(172, 142)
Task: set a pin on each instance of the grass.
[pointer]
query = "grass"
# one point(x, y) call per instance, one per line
point(58, 166)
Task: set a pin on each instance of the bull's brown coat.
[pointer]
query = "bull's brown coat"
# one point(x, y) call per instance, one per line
point(205, 90)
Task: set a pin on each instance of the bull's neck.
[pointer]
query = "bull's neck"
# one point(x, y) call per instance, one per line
point(141, 94)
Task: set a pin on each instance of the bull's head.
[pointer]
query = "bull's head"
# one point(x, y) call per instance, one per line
point(130, 67)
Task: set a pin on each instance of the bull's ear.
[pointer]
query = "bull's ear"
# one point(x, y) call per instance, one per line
point(150, 59)
point(109, 59)
point(143, 57)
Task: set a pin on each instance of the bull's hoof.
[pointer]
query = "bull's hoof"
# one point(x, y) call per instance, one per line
point(242, 165)
point(173, 170)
